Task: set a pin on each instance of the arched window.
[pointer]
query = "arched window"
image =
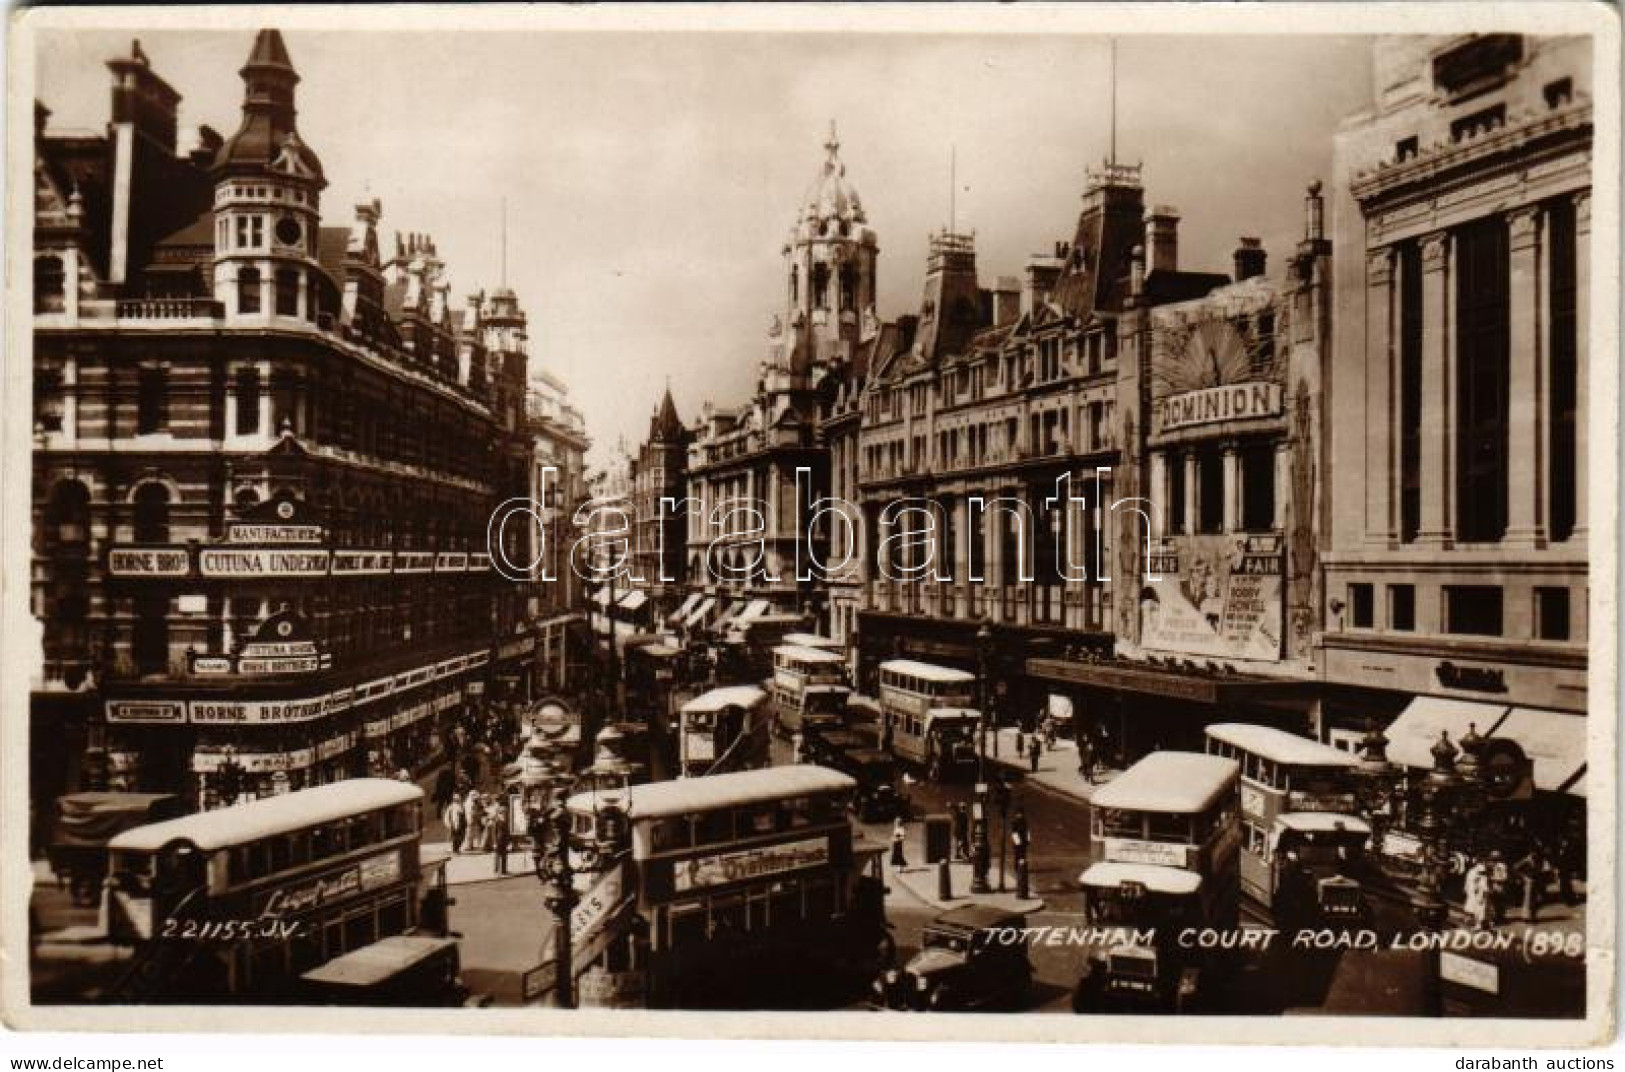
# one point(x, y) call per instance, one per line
point(245, 498)
point(152, 514)
point(849, 287)
point(248, 289)
point(287, 292)
point(795, 283)
point(50, 284)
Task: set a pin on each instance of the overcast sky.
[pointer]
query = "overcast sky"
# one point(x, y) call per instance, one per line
point(651, 178)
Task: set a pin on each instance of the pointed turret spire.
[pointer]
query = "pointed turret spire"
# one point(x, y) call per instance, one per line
point(666, 425)
point(832, 146)
point(268, 109)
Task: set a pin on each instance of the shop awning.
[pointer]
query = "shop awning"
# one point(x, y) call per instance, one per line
point(633, 600)
point(602, 596)
point(699, 612)
point(727, 616)
point(1413, 734)
point(1555, 740)
point(681, 613)
point(754, 609)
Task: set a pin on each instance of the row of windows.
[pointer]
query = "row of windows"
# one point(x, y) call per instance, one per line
point(1048, 433)
point(1468, 609)
point(1255, 470)
point(273, 855)
point(1481, 265)
point(726, 825)
point(1172, 827)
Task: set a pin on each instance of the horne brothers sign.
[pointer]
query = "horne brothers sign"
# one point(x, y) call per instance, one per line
point(1211, 405)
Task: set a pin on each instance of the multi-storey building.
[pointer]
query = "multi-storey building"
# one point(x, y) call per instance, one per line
point(1456, 577)
point(746, 547)
point(660, 532)
point(994, 409)
point(264, 461)
point(559, 489)
point(1221, 487)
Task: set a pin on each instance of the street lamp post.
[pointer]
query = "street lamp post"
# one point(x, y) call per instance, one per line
point(1435, 797)
point(983, 854)
point(551, 838)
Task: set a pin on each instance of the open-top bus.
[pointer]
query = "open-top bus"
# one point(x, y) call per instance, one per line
point(743, 890)
point(1165, 835)
point(235, 904)
point(1303, 840)
point(725, 729)
point(927, 716)
point(806, 681)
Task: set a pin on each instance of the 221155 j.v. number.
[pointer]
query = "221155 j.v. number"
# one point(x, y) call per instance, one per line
point(229, 930)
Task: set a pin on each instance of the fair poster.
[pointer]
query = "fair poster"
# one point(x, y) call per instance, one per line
point(1218, 597)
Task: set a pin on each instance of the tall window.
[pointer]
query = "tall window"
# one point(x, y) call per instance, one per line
point(849, 287)
point(1176, 493)
point(1210, 490)
point(1483, 368)
point(248, 401)
point(1258, 487)
point(820, 285)
point(152, 514)
point(50, 284)
point(978, 543)
point(248, 289)
point(1564, 456)
point(149, 638)
point(287, 292)
point(1410, 390)
point(151, 399)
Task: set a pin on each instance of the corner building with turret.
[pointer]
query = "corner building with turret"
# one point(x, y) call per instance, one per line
point(266, 447)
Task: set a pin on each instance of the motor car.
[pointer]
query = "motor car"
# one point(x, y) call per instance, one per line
point(973, 957)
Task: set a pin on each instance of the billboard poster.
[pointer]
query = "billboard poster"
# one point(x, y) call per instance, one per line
point(1219, 596)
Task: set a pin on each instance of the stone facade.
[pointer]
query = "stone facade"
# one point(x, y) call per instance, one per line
point(1456, 551)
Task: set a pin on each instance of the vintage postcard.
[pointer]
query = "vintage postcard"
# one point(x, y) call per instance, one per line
point(913, 522)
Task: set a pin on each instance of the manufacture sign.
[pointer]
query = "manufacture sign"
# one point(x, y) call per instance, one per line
point(722, 868)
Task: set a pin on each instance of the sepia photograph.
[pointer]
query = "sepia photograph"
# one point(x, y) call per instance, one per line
point(524, 517)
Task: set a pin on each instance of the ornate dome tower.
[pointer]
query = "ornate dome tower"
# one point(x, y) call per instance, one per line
point(829, 264)
point(267, 187)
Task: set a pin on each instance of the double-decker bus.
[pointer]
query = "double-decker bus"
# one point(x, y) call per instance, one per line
point(811, 640)
point(743, 890)
point(725, 729)
point(1165, 835)
point(237, 903)
point(927, 716)
point(806, 681)
point(1303, 840)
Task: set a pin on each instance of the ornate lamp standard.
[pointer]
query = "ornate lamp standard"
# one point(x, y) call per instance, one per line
point(983, 853)
point(1376, 782)
point(552, 846)
point(1436, 797)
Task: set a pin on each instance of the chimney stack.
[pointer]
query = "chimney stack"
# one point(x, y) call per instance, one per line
point(1136, 271)
point(1039, 283)
point(1006, 300)
point(1162, 239)
point(1250, 258)
point(1314, 226)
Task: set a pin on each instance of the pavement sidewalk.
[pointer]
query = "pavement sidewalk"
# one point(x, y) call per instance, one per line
point(467, 867)
point(920, 879)
point(1057, 767)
